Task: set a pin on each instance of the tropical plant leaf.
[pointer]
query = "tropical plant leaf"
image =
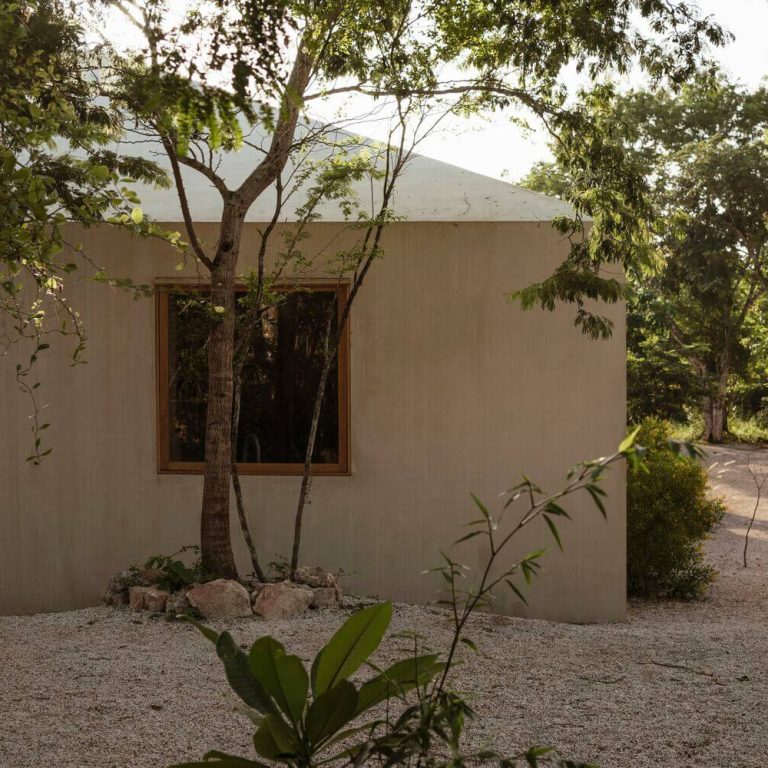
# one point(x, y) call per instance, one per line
point(400, 678)
point(629, 441)
point(274, 739)
point(479, 504)
point(244, 683)
point(553, 529)
point(352, 644)
point(596, 494)
point(207, 632)
point(345, 734)
point(330, 712)
point(468, 536)
point(553, 508)
point(282, 676)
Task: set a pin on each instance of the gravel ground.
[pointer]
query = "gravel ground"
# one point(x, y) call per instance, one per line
point(676, 685)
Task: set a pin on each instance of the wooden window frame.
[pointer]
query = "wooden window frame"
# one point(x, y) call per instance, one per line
point(342, 468)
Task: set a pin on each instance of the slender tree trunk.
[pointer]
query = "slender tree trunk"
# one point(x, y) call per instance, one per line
point(215, 542)
point(715, 411)
point(333, 333)
point(329, 352)
point(236, 476)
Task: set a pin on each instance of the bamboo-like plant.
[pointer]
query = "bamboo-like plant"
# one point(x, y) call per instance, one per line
point(306, 719)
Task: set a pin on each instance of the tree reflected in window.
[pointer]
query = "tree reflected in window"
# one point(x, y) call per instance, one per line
point(279, 384)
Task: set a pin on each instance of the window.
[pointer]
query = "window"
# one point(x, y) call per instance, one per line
point(279, 385)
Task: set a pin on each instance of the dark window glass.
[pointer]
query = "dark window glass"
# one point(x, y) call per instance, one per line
point(279, 383)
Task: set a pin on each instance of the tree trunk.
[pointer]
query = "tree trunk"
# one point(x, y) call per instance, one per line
point(329, 352)
point(239, 503)
point(216, 546)
point(715, 411)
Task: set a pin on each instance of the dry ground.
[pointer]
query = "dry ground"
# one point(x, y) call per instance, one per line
point(677, 685)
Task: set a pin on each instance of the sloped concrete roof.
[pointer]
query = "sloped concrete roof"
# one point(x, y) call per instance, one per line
point(427, 190)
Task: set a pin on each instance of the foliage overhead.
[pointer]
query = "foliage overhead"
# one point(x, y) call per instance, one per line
point(56, 169)
point(207, 77)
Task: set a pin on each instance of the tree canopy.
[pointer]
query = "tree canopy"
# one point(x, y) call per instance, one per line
point(197, 80)
point(705, 172)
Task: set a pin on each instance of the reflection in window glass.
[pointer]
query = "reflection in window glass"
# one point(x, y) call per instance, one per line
point(279, 384)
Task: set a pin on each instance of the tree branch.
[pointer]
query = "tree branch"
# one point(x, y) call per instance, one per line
point(267, 171)
point(208, 172)
point(182, 194)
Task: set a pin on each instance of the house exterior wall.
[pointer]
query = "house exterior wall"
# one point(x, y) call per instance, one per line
point(453, 390)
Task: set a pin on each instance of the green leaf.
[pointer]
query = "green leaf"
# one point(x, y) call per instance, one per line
point(274, 739)
point(554, 531)
point(330, 712)
point(99, 172)
point(240, 676)
point(479, 504)
point(207, 632)
point(282, 676)
point(137, 215)
point(529, 564)
point(532, 755)
point(468, 536)
point(469, 643)
point(684, 448)
point(397, 679)
point(596, 494)
point(352, 644)
point(341, 736)
point(520, 595)
point(628, 441)
point(555, 509)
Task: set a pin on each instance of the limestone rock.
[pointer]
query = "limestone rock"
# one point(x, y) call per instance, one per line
point(148, 599)
point(282, 600)
point(117, 598)
point(221, 599)
point(117, 590)
point(256, 587)
point(178, 603)
point(325, 597)
point(316, 577)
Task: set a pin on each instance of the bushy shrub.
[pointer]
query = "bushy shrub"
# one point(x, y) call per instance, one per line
point(173, 574)
point(750, 400)
point(668, 517)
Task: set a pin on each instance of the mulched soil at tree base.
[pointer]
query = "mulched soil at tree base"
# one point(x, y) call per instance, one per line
point(677, 685)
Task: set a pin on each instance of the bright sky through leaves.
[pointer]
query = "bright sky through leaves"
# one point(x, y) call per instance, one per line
point(495, 147)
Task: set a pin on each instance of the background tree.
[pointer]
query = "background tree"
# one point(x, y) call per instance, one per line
point(56, 170)
point(660, 380)
point(705, 164)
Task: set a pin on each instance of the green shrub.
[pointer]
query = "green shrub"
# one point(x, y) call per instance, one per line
point(668, 517)
point(753, 430)
point(174, 574)
point(691, 430)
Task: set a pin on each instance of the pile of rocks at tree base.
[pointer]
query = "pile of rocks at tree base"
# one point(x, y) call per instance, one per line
point(224, 598)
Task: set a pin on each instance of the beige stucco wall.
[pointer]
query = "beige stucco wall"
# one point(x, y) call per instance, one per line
point(452, 390)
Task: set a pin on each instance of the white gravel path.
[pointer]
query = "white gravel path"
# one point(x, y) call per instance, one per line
point(677, 685)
